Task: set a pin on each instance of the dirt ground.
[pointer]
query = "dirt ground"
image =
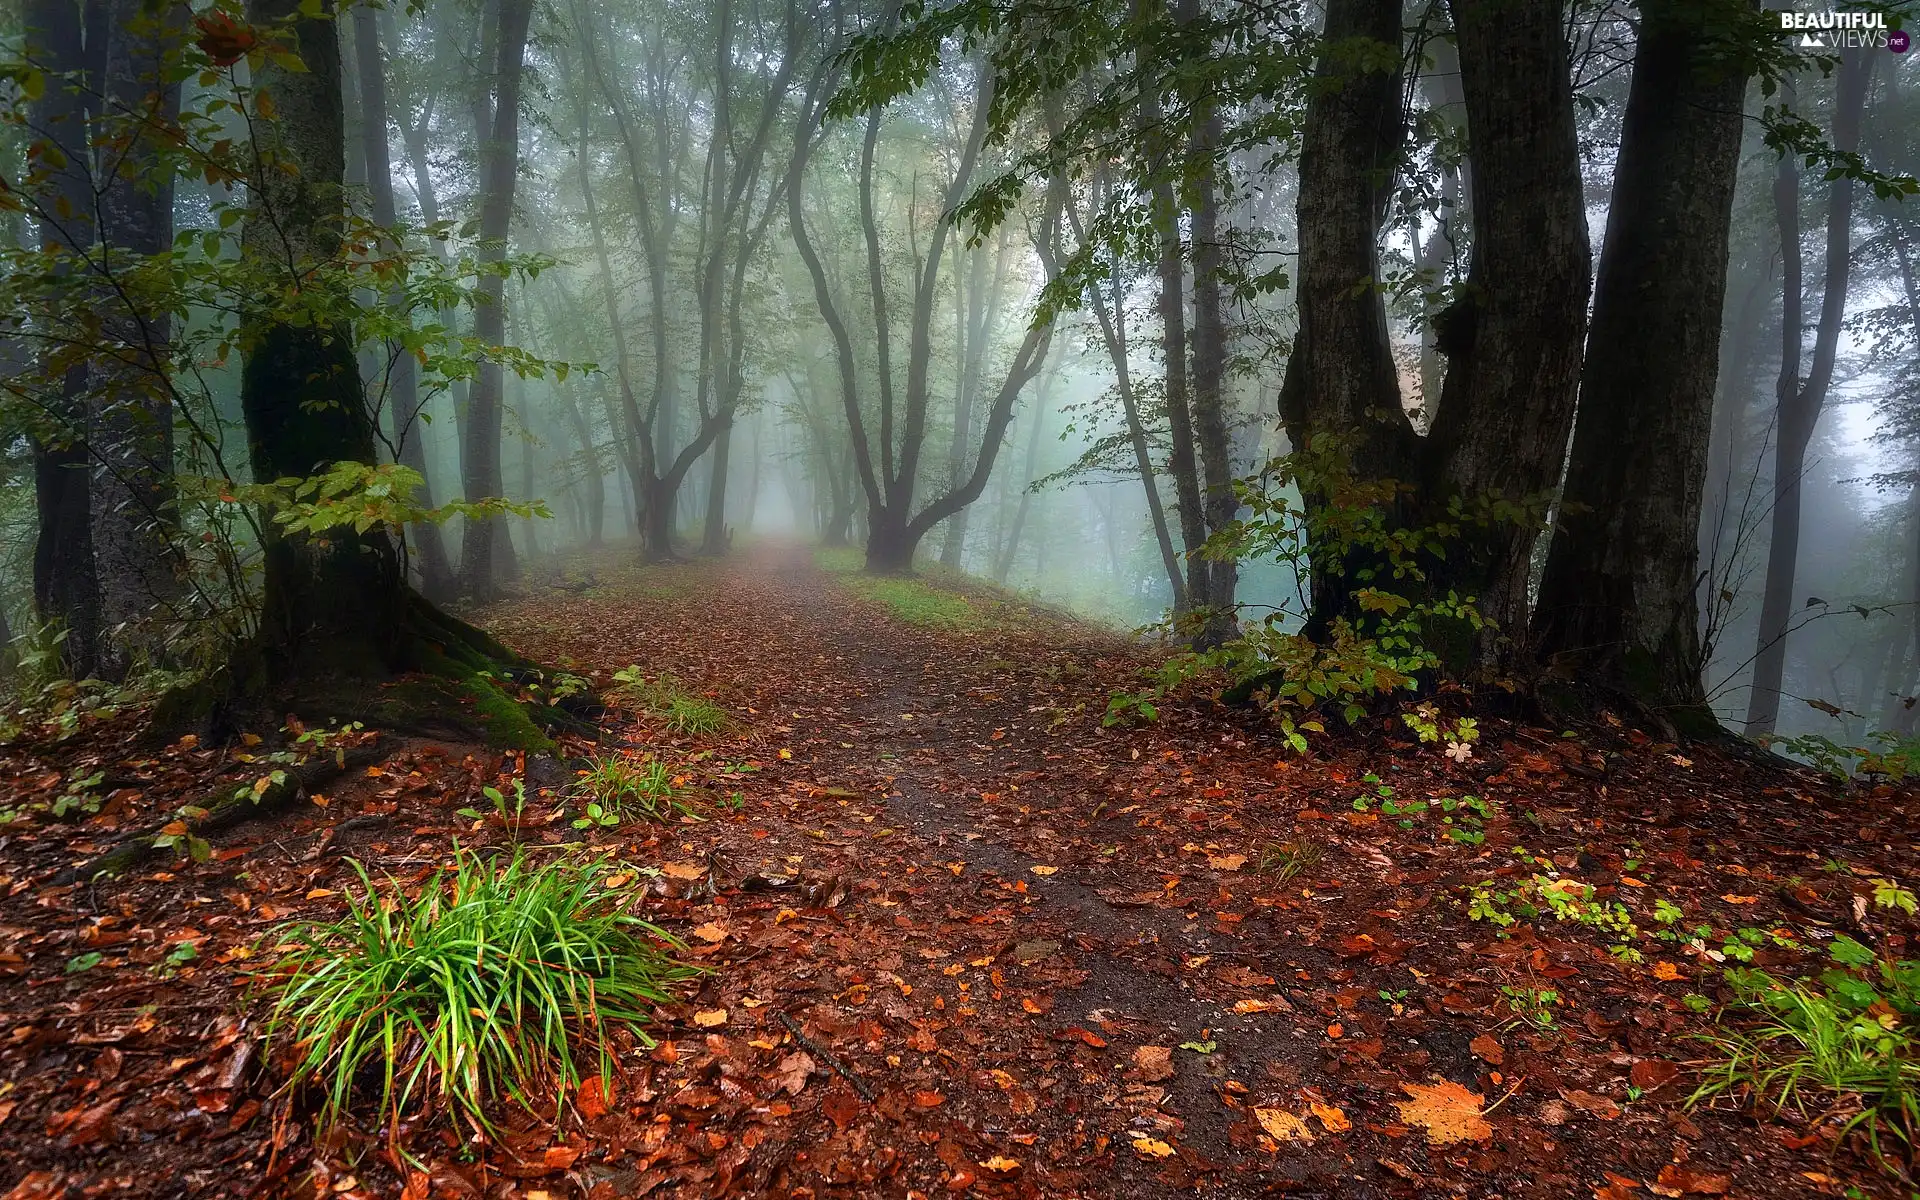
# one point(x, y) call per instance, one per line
point(964, 938)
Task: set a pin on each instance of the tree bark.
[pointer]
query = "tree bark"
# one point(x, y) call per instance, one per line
point(1619, 601)
point(66, 591)
point(1221, 504)
point(437, 581)
point(1499, 438)
point(1340, 399)
point(332, 603)
point(1800, 402)
point(484, 547)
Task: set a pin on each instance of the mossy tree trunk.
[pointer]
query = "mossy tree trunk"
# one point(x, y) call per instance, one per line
point(338, 619)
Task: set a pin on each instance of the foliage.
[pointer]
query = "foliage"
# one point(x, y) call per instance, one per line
point(1840, 1048)
point(493, 980)
point(618, 787)
point(165, 332)
point(1374, 627)
point(1888, 755)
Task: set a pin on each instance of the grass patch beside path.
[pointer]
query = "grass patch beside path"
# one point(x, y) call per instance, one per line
point(934, 599)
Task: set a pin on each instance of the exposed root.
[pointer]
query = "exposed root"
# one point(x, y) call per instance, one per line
point(224, 810)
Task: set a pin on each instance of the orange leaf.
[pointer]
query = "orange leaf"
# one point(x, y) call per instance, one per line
point(1446, 1110)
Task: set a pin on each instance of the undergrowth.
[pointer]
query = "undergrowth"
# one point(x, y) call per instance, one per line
point(682, 711)
point(1838, 1050)
point(495, 980)
point(616, 787)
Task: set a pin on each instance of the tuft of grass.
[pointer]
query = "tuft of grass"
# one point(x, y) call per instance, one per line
point(494, 980)
point(680, 710)
point(620, 787)
point(917, 602)
point(1289, 860)
point(1843, 1052)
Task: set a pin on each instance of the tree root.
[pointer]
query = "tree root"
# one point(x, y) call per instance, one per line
point(225, 810)
point(445, 678)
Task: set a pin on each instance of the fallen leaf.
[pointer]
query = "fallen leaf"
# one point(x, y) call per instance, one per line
point(1283, 1126)
point(1147, 1147)
point(1331, 1117)
point(841, 1107)
point(1227, 862)
point(1000, 1164)
point(1666, 970)
point(710, 933)
point(1446, 1110)
point(593, 1098)
point(1589, 1102)
point(1678, 1179)
point(559, 1158)
point(927, 1099)
point(710, 1018)
point(1487, 1049)
point(1650, 1073)
point(1037, 870)
point(682, 870)
point(793, 1071)
point(1155, 1062)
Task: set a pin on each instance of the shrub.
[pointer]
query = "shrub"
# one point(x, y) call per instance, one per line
point(1840, 1048)
point(494, 980)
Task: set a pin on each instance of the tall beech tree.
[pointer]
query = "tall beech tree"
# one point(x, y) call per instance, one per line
point(1618, 602)
point(485, 549)
point(888, 458)
point(403, 400)
point(1799, 401)
point(336, 612)
point(66, 591)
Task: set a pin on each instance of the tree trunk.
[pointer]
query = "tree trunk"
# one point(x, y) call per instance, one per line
point(1618, 604)
point(403, 379)
point(1003, 562)
point(1222, 505)
point(717, 539)
point(65, 589)
point(333, 603)
point(1506, 407)
point(482, 554)
point(1800, 402)
point(1340, 399)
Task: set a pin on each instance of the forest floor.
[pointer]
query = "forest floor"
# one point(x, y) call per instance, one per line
point(963, 938)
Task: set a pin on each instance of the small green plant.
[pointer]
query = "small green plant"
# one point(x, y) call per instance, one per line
point(509, 811)
point(1887, 755)
point(496, 979)
point(615, 787)
point(1289, 860)
point(1841, 1047)
point(681, 711)
point(80, 964)
point(79, 796)
point(1534, 1005)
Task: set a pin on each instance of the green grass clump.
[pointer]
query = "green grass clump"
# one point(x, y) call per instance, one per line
point(680, 710)
point(620, 787)
point(1842, 1049)
point(495, 980)
point(916, 602)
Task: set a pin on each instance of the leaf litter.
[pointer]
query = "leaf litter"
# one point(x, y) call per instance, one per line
point(898, 1000)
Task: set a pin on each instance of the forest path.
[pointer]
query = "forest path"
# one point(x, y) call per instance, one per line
point(1066, 959)
point(963, 937)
